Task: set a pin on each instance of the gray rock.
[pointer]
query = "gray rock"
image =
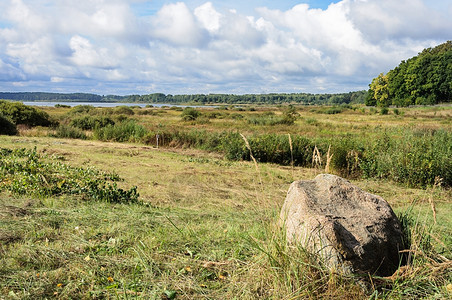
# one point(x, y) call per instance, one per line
point(351, 230)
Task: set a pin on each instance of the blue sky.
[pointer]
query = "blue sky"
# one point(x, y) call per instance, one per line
point(183, 47)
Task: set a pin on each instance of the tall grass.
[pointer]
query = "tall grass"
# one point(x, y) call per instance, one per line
point(126, 131)
point(417, 159)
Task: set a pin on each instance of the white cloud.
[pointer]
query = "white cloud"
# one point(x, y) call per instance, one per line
point(208, 47)
point(84, 54)
point(176, 24)
point(208, 17)
point(402, 19)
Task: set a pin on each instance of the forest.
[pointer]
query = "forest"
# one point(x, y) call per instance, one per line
point(425, 79)
point(275, 98)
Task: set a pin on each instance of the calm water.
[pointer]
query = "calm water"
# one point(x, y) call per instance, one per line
point(103, 104)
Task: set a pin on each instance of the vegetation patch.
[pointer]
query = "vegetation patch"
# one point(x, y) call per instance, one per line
point(26, 172)
point(19, 113)
point(7, 126)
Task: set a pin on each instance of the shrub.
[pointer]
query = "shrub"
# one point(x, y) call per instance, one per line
point(346, 155)
point(81, 109)
point(25, 172)
point(384, 111)
point(62, 106)
point(190, 114)
point(124, 110)
point(127, 131)
point(91, 122)
point(68, 132)
point(7, 127)
point(19, 113)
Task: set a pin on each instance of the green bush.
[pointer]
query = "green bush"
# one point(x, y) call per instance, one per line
point(69, 132)
point(62, 106)
point(345, 155)
point(126, 131)
point(190, 114)
point(26, 172)
point(124, 110)
point(82, 109)
point(7, 127)
point(384, 111)
point(19, 113)
point(91, 122)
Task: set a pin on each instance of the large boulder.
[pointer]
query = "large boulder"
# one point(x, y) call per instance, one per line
point(351, 230)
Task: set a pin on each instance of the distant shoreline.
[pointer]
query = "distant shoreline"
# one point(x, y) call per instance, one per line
point(107, 104)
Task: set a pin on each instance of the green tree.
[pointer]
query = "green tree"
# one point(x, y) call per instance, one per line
point(380, 89)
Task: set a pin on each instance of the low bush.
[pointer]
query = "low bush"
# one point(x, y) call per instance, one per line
point(81, 109)
point(20, 113)
point(62, 106)
point(124, 110)
point(91, 122)
point(26, 172)
point(126, 131)
point(7, 127)
point(190, 114)
point(68, 132)
point(384, 111)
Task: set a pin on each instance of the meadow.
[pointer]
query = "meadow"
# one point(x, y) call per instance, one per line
point(165, 203)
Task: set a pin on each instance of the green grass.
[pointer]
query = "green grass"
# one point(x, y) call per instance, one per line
point(208, 230)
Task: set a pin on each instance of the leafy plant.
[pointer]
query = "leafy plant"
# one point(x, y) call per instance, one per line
point(190, 114)
point(26, 172)
point(20, 113)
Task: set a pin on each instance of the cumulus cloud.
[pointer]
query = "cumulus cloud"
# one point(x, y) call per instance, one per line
point(205, 47)
point(176, 24)
point(208, 17)
point(84, 54)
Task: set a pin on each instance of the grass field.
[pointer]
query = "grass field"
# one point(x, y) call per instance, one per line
point(206, 227)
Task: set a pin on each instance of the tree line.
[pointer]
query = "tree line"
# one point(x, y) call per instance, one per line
point(275, 98)
point(425, 79)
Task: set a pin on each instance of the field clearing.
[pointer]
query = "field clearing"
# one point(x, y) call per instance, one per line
point(194, 237)
point(207, 227)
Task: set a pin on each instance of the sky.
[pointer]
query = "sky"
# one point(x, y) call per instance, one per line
point(125, 47)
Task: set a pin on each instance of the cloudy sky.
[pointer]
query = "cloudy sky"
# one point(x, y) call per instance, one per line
point(195, 46)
